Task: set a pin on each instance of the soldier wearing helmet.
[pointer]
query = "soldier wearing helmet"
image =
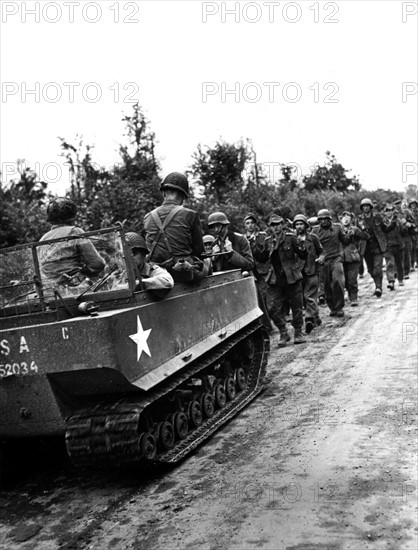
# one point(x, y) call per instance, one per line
point(174, 233)
point(351, 255)
point(283, 251)
point(231, 250)
point(376, 227)
point(413, 206)
point(67, 263)
point(310, 281)
point(332, 238)
point(408, 226)
point(149, 276)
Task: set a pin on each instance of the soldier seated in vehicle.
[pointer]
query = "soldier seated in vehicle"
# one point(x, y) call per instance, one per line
point(231, 250)
point(67, 264)
point(174, 233)
point(149, 276)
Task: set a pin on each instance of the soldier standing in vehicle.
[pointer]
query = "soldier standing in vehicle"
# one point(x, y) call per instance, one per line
point(310, 282)
point(373, 224)
point(174, 233)
point(351, 256)
point(283, 250)
point(230, 250)
point(332, 238)
point(67, 263)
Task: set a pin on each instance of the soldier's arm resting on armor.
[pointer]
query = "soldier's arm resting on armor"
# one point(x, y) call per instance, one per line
point(159, 279)
point(93, 262)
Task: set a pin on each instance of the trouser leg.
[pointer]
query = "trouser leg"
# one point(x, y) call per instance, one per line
point(390, 266)
point(398, 255)
point(327, 285)
point(407, 256)
point(294, 291)
point(337, 284)
point(276, 297)
point(351, 274)
point(361, 266)
point(310, 291)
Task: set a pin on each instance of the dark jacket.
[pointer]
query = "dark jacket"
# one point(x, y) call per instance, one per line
point(333, 239)
point(395, 234)
point(184, 233)
point(284, 254)
point(257, 241)
point(314, 250)
point(353, 249)
point(240, 257)
point(375, 226)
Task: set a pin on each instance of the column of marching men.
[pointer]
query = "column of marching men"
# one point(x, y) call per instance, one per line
point(298, 264)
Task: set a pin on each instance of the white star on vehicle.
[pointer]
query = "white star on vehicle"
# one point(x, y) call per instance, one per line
point(140, 339)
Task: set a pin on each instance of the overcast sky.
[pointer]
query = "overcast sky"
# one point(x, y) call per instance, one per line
point(308, 76)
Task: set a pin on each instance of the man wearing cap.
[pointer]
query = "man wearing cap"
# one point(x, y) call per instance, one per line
point(374, 225)
point(230, 250)
point(413, 206)
point(256, 238)
point(149, 276)
point(283, 250)
point(395, 246)
point(351, 256)
point(174, 233)
point(408, 231)
point(309, 266)
point(332, 238)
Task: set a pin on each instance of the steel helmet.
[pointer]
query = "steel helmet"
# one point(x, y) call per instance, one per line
point(61, 209)
point(347, 213)
point(175, 180)
point(365, 202)
point(275, 218)
point(217, 217)
point(412, 201)
point(324, 213)
point(208, 239)
point(313, 220)
point(135, 240)
point(300, 218)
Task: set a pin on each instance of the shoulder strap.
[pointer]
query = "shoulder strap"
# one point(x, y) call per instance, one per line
point(161, 229)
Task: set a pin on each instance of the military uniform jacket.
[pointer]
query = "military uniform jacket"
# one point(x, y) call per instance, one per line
point(332, 239)
point(184, 233)
point(352, 250)
point(240, 258)
point(284, 254)
point(257, 241)
point(378, 227)
point(314, 249)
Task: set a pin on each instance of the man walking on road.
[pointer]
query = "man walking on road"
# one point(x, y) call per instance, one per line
point(351, 256)
point(310, 282)
point(284, 278)
point(373, 224)
point(332, 238)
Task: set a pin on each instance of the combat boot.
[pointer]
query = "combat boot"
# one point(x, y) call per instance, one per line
point(284, 338)
point(309, 325)
point(299, 339)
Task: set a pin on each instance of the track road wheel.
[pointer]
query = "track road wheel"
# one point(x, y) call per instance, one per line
point(241, 379)
point(195, 413)
point(181, 425)
point(208, 404)
point(230, 389)
point(166, 435)
point(148, 446)
point(220, 395)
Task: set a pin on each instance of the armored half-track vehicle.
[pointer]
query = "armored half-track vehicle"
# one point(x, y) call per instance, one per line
point(124, 375)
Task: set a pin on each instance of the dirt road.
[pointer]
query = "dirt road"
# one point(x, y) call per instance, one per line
point(325, 458)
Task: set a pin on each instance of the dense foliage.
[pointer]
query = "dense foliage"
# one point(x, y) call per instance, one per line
point(225, 177)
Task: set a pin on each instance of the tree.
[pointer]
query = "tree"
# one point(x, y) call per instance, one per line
point(332, 176)
point(22, 208)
